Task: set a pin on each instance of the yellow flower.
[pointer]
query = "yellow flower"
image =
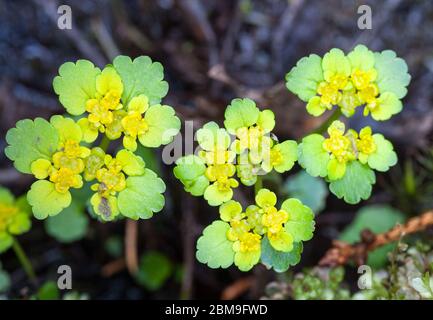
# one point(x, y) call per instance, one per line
point(65, 178)
point(102, 107)
point(134, 125)
point(365, 144)
point(361, 79)
point(238, 229)
point(66, 165)
point(338, 144)
point(248, 242)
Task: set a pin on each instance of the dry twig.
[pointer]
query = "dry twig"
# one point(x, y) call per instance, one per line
point(342, 252)
point(237, 288)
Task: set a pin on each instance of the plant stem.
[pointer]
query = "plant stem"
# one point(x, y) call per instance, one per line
point(25, 262)
point(334, 116)
point(131, 255)
point(258, 185)
point(105, 142)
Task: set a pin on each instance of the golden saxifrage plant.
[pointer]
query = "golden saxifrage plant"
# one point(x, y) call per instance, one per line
point(244, 150)
point(123, 101)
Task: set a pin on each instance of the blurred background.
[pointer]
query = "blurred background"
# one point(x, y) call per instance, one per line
point(212, 52)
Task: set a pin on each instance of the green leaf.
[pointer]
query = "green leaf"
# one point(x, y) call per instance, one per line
point(278, 260)
point(68, 226)
point(303, 79)
point(356, 183)
point(45, 200)
point(377, 218)
point(310, 190)
point(190, 171)
point(240, 113)
point(29, 141)
point(163, 126)
point(266, 120)
point(49, 291)
point(388, 105)
point(142, 196)
point(155, 269)
point(245, 261)
point(384, 157)
point(211, 137)
point(301, 220)
point(75, 84)
point(312, 157)
point(392, 73)
point(114, 246)
point(361, 58)
point(141, 76)
point(213, 247)
point(335, 62)
point(216, 197)
point(289, 154)
point(5, 281)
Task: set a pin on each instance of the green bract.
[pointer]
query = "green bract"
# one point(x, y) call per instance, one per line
point(362, 78)
point(244, 149)
point(260, 233)
point(347, 159)
point(122, 99)
point(14, 218)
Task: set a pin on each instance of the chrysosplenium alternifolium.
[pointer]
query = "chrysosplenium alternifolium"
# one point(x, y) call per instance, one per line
point(361, 79)
point(239, 153)
point(244, 150)
point(121, 100)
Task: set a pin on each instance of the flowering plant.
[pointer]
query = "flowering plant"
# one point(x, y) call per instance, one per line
point(122, 99)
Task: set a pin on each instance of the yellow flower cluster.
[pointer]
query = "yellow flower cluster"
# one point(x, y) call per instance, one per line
point(350, 91)
point(345, 147)
point(105, 108)
point(247, 228)
point(110, 173)
point(66, 165)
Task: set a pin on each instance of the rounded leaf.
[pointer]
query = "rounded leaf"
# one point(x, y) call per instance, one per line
point(163, 126)
point(240, 113)
point(310, 190)
point(213, 247)
point(278, 260)
point(392, 73)
point(215, 197)
point(289, 154)
point(30, 141)
point(75, 84)
point(335, 62)
point(356, 183)
point(45, 200)
point(304, 78)
point(245, 261)
point(300, 224)
point(361, 58)
point(312, 157)
point(141, 76)
point(142, 196)
point(68, 226)
point(388, 105)
point(384, 157)
point(211, 137)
